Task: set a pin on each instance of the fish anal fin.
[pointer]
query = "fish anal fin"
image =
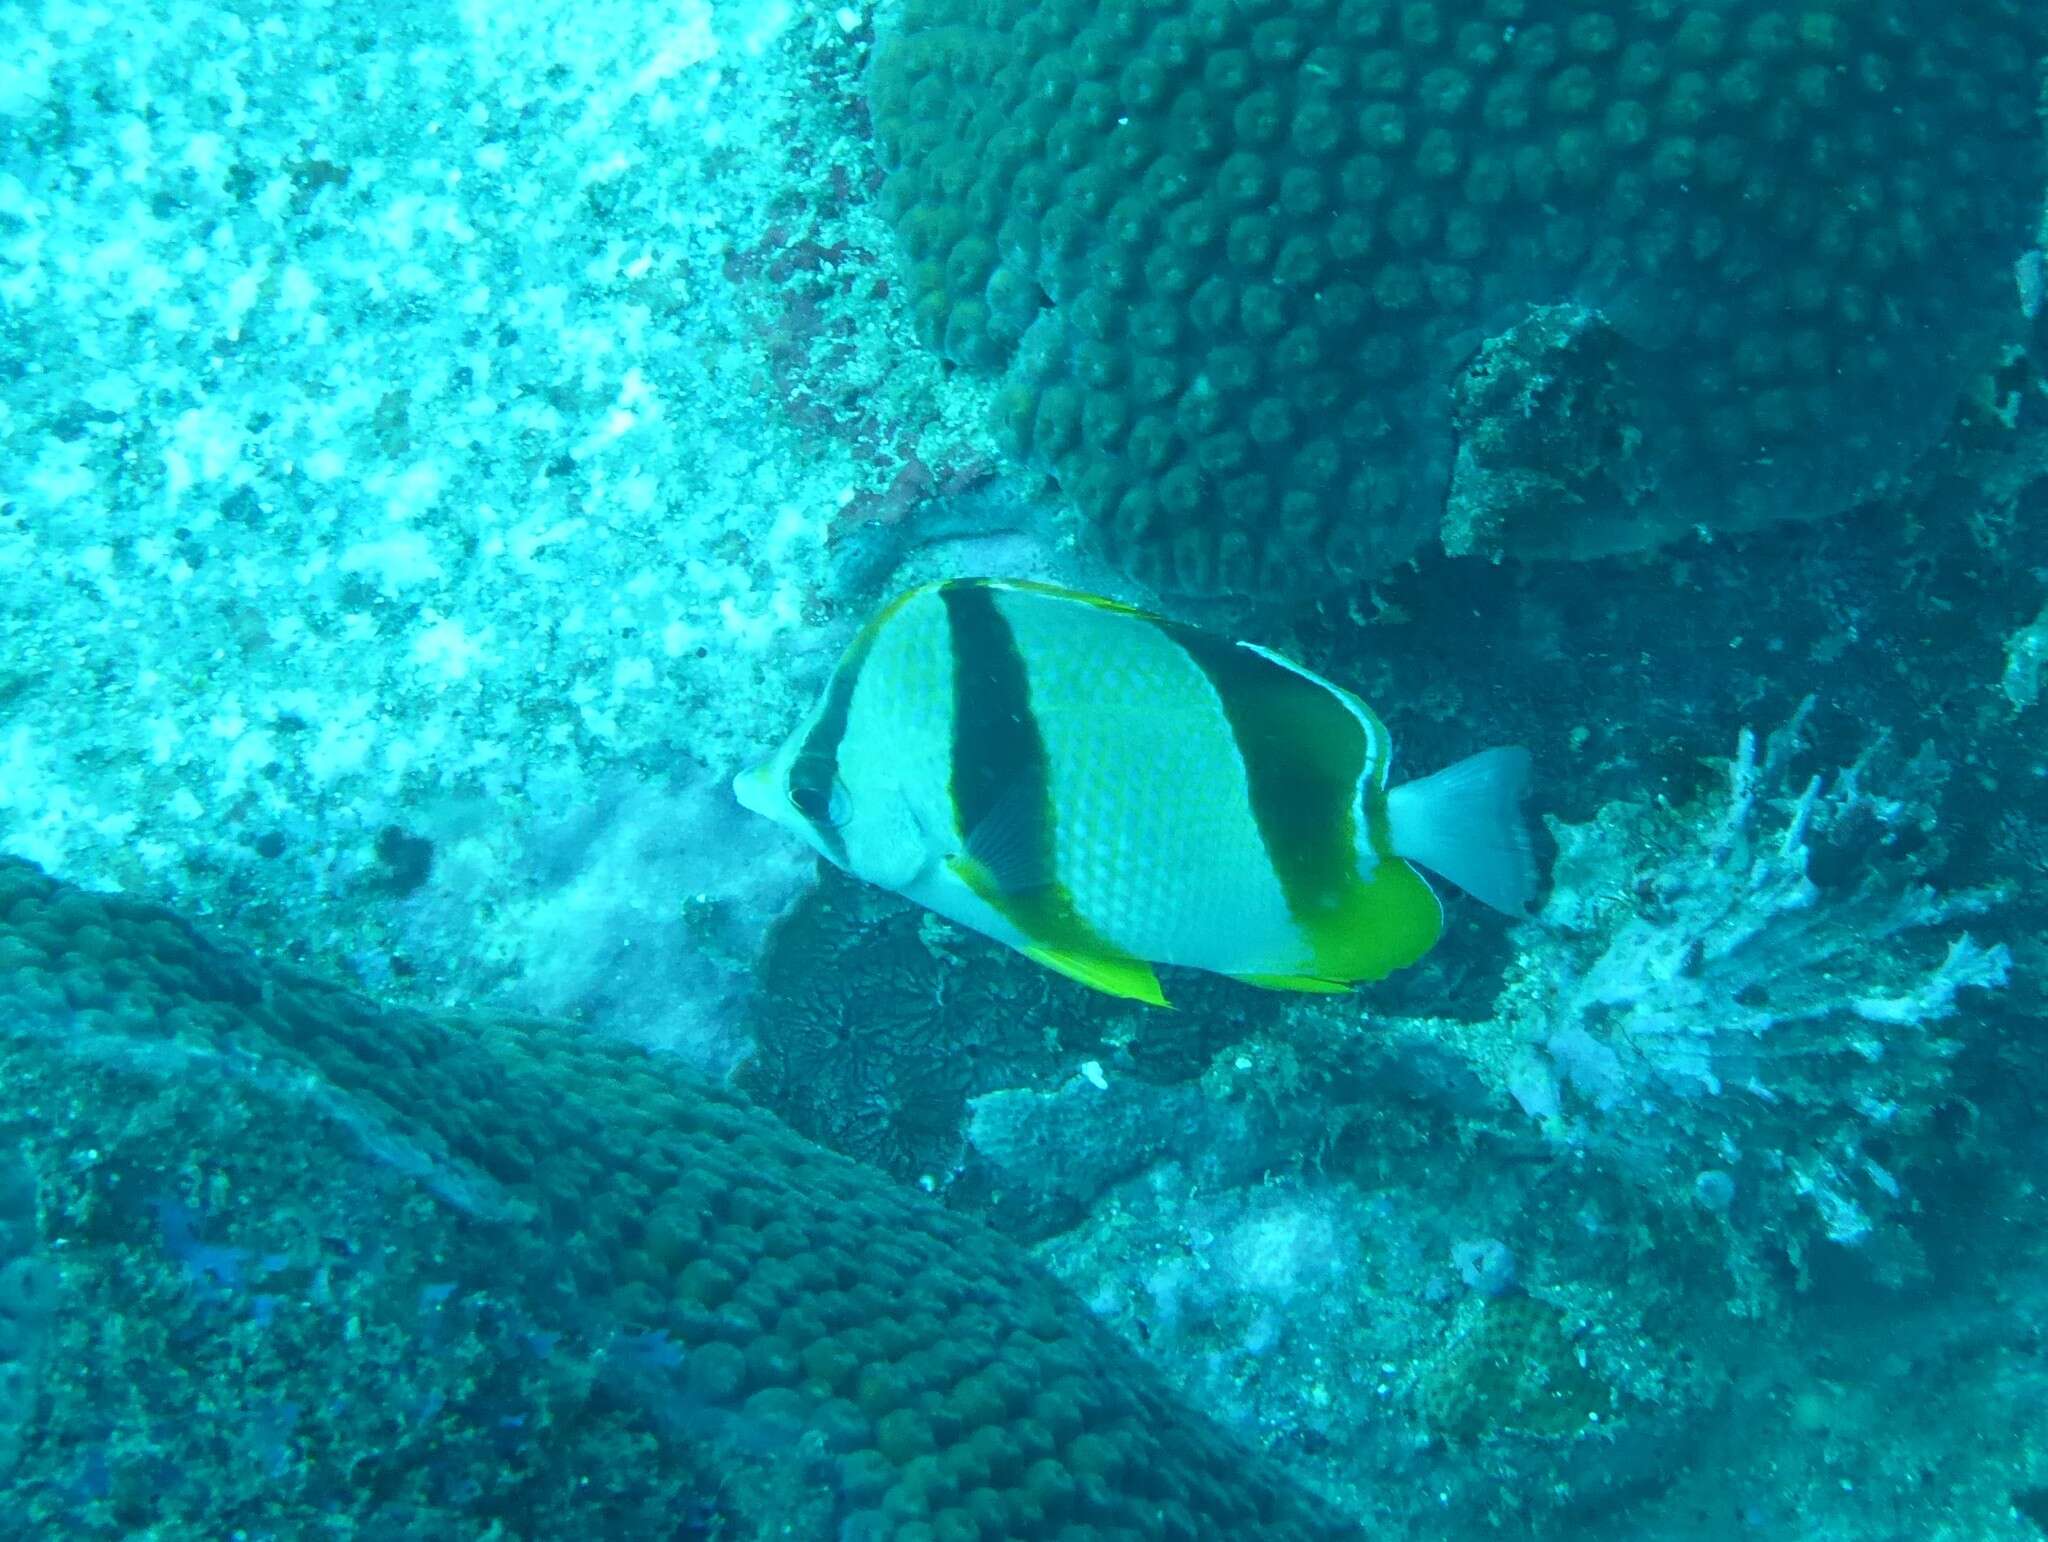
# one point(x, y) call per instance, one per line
point(1130, 978)
point(973, 874)
point(1295, 982)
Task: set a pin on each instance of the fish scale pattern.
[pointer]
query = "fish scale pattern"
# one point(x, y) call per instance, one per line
point(808, 1347)
point(1228, 257)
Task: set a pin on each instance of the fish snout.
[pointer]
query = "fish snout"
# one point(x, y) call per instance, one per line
point(755, 789)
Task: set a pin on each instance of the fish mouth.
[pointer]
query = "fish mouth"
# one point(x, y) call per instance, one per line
point(755, 789)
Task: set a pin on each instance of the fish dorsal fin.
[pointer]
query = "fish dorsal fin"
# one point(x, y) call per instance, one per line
point(1032, 586)
point(1130, 978)
point(1296, 982)
point(1378, 752)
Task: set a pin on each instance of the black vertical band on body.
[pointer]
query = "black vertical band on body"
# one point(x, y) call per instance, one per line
point(815, 770)
point(1002, 780)
point(1303, 754)
point(999, 765)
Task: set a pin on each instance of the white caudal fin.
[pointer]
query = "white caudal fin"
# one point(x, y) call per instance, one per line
point(1465, 823)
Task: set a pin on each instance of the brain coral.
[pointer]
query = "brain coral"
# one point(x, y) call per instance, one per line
point(1231, 258)
point(465, 1276)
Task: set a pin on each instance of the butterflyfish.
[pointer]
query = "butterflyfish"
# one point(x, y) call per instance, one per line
point(1106, 790)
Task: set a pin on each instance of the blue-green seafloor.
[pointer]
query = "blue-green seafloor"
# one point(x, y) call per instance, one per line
point(439, 444)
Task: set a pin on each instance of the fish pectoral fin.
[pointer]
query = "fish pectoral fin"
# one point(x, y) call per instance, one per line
point(1131, 978)
point(1009, 846)
point(1295, 982)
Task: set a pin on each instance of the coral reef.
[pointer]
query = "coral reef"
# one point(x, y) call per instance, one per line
point(1512, 1369)
point(29, 1290)
point(435, 421)
point(2025, 652)
point(1545, 422)
point(447, 442)
point(868, 1038)
point(1229, 259)
point(1753, 992)
point(439, 1275)
point(1311, 1294)
point(1772, 1029)
point(881, 1031)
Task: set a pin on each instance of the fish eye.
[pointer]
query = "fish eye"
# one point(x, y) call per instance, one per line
point(816, 793)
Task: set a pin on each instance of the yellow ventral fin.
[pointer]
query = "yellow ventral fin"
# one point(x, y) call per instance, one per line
point(1128, 977)
point(1295, 982)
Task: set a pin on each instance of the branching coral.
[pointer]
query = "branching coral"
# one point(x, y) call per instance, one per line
point(1763, 994)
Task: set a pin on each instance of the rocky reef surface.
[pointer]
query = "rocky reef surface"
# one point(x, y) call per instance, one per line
point(442, 444)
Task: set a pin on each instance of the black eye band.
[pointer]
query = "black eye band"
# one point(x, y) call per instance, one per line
point(812, 782)
point(814, 803)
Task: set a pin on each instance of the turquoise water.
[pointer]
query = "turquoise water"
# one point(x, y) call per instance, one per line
point(442, 445)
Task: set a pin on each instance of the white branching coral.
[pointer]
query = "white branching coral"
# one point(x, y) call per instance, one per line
point(1762, 977)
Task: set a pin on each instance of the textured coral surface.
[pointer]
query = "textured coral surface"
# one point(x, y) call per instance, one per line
point(1229, 256)
point(530, 1278)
